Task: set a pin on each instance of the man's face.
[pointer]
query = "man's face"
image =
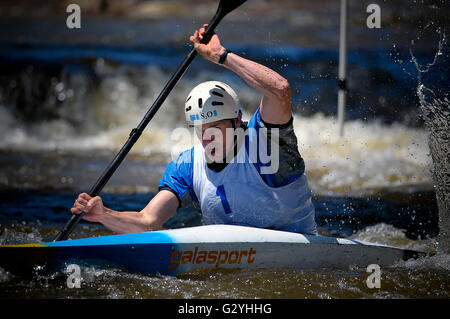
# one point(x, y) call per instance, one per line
point(217, 139)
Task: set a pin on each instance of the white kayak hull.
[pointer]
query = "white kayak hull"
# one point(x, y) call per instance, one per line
point(176, 251)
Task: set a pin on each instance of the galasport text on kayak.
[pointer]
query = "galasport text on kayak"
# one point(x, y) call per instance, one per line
point(211, 257)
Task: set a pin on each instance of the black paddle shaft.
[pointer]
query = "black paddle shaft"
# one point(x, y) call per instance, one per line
point(225, 7)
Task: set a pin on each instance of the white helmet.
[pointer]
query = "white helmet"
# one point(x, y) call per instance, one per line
point(211, 101)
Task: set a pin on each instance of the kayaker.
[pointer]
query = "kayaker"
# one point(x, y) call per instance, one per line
point(226, 177)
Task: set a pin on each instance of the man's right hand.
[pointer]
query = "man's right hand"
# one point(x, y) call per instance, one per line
point(93, 206)
point(210, 51)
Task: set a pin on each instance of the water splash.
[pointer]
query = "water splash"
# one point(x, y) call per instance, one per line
point(435, 106)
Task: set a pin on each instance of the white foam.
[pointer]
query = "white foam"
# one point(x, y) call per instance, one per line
point(370, 156)
point(385, 234)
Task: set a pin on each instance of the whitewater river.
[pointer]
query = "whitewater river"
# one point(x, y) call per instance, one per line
point(67, 107)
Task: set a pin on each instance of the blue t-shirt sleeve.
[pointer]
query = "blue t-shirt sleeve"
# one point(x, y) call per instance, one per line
point(255, 120)
point(178, 178)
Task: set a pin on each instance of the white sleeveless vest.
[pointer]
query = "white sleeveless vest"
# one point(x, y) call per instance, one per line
point(238, 195)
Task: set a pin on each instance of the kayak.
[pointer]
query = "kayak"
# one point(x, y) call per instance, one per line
point(183, 250)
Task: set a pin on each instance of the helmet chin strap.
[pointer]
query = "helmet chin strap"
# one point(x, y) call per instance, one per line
point(233, 124)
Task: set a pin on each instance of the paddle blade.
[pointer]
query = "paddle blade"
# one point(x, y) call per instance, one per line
point(226, 6)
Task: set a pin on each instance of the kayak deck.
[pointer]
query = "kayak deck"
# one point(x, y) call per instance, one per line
point(170, 252)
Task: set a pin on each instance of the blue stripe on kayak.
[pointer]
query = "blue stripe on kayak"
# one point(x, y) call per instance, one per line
point(147, 253)
point(138, 238)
